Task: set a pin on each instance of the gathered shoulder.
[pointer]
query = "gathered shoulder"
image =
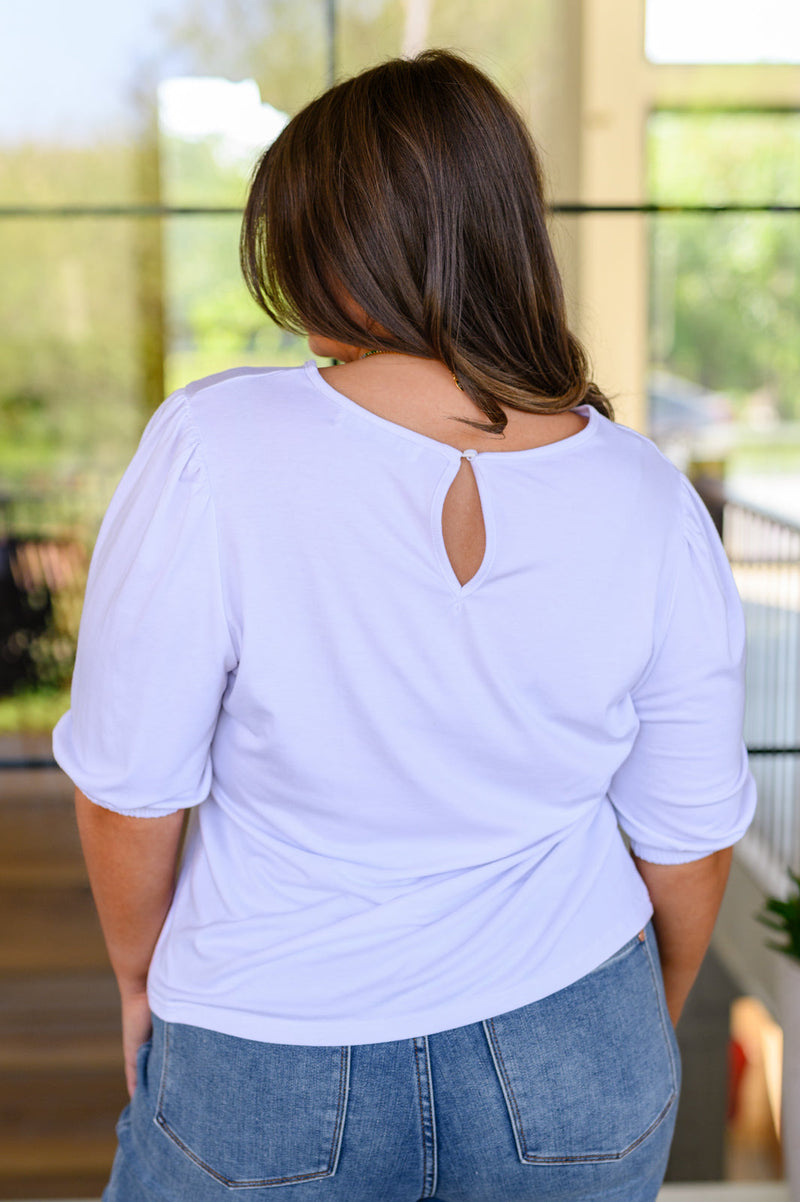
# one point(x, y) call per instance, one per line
point(652, 479)
point(640, 448)
point(234, 379)
point(230, 403)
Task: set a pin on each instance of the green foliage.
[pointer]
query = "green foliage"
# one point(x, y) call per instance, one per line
point(725, 291)
point(91, 310)
point(34, 711)
point(724, 157)
point(84, 333)
point(283, 44)
point(784, 917)
point(69, 355)
point(101, 172)
point(196, 172)
point(729, 311)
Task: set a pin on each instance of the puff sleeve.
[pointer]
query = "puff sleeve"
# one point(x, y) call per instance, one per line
point(685, 790)
point(154, 649)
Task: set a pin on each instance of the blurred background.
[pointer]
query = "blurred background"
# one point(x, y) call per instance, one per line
point(670, 135)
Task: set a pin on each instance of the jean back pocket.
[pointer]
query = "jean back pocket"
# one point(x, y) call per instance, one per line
point(250, 1113)
point(590, 1071)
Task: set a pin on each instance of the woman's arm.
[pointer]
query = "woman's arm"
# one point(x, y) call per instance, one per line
point(131, 864)
point(686, 900)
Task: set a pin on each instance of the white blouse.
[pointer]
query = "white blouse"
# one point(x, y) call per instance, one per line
point(408, 791)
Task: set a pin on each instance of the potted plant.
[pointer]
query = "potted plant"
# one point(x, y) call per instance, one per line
point(782, 915)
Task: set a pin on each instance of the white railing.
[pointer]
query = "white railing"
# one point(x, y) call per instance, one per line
point(764, 551)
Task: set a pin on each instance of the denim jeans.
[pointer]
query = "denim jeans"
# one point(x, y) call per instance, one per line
point(571, 1097)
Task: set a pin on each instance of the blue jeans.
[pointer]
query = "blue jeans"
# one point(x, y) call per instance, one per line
point(571, 1097)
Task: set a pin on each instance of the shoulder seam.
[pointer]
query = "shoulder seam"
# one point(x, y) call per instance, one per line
point(643, 438)
point(199, 448)
point(222, 377)
point(680, 539)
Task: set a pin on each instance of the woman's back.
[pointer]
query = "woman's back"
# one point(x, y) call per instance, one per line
point(406, 771)
point(411, 669)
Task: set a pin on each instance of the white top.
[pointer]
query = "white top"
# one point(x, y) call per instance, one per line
point(407, 790)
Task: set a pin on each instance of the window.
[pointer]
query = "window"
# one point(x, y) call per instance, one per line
point(723, 31)
point(725, 298)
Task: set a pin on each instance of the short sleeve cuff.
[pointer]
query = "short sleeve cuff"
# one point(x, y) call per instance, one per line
point(668, 855)
point(68, 760)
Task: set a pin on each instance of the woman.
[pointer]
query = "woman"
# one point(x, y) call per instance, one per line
point(414, 636)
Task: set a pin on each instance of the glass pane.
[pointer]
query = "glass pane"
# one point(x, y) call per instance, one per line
point(163, 103)
point(210, 133)
point(76, 318)
point(74, 127)
point(167, 103)
point(722, 31)
point(211, 322)
point(725, 301)
point(724, 157)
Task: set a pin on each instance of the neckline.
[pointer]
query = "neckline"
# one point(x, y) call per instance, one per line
point(313, 375)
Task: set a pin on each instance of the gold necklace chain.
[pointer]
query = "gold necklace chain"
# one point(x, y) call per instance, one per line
point(366, 355)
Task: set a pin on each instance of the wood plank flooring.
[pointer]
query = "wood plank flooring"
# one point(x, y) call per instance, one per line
point(61, 1084)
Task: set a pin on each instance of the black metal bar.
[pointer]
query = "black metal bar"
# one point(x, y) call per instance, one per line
point(710, 108)
point(330, 23)
point(710, 210)
point(773, 750)
point(29, 765)
point(562, 208)
point(49, 765)
point(119, 211)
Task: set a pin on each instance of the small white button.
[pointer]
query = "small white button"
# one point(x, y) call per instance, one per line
point(468, 454)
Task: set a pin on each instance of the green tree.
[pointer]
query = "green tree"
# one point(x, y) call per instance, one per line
point(283, 44)
point(726, 289)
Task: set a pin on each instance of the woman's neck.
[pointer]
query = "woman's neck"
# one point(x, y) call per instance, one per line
point(421, 395)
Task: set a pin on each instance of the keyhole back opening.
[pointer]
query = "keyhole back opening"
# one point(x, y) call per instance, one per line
point(463, 528)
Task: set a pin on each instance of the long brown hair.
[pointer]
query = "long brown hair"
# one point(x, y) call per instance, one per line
point(415, 189)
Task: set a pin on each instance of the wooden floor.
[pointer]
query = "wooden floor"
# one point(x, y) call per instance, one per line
point(61, 1086)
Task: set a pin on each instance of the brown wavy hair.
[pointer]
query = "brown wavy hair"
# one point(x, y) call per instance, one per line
point(415, 189)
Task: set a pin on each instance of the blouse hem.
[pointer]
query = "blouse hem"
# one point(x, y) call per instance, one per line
point(349, 1032)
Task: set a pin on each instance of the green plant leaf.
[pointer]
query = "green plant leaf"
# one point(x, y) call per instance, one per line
point(783, 915)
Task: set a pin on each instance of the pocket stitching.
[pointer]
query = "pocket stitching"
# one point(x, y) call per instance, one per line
point(511, 1100)
point(598, 1157)
point(336, 1143)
